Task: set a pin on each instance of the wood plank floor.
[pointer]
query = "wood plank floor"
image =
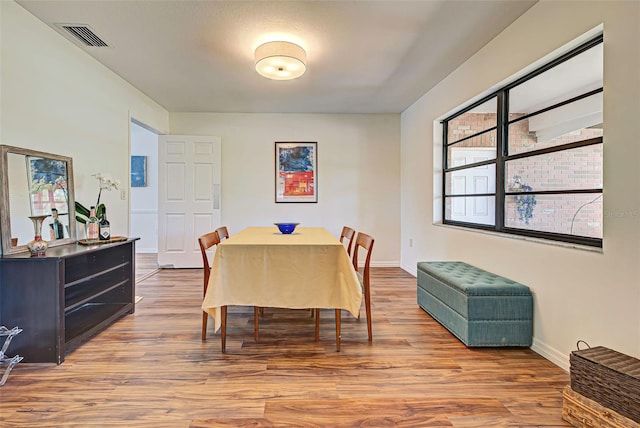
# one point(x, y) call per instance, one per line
point(146, 265)
point(151, 369)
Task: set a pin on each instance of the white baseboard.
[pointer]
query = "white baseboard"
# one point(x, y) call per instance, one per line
point(384, 263)
point(413, 270)
point(146, 250)
point(556, 357)
point(144, 211)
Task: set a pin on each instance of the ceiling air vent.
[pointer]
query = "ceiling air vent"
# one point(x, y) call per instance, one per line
point(83, 34)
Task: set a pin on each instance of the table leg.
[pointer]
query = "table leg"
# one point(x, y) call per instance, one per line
point(204, 325)
point(255, 323)
point(338, 330)
point(223, 328)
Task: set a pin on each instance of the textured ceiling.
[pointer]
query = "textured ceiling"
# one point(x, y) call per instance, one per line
point(362, 56)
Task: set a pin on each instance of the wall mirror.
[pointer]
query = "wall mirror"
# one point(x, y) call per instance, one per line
point(35, 183)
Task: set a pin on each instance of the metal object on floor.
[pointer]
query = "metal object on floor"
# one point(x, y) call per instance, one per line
point(10, 361)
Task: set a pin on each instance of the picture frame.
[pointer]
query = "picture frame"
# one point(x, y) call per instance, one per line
point(296, 172)
point(138, 171)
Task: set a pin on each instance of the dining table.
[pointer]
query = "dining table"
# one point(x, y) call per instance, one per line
point(262, 267)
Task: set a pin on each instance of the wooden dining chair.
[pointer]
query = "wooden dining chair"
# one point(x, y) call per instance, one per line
point(223, 233)
point(364, 242)
point(207, 241)
point(347, 233)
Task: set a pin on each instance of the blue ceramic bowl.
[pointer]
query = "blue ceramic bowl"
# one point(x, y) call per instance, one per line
point(286, 228)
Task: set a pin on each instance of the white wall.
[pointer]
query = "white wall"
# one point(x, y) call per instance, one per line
point(358, 171)
point(56, 98)
point(594, 296)
point(144, 200)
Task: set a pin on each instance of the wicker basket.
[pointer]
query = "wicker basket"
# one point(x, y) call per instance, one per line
point(608, 377)
point(582, 412)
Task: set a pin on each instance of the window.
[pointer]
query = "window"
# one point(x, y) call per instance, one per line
point(527, 159)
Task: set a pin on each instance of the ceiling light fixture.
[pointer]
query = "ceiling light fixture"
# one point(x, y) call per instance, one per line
point(280, 60)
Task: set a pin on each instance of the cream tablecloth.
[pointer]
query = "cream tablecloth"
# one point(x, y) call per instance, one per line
point(262, 267)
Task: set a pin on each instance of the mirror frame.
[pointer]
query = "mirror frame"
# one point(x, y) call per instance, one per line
point(5, 213)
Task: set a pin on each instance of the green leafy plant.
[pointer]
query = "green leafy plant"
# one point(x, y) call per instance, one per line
point(525, 204)
point(106, 183)
point(83, 213)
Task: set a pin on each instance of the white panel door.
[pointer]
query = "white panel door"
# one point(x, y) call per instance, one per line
point(188, 197)
point(472, 181)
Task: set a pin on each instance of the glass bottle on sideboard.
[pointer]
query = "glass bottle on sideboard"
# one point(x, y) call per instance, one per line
point(92, 226)
point(105, 227)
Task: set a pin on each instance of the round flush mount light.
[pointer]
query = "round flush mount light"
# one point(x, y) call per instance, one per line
point(280, 60)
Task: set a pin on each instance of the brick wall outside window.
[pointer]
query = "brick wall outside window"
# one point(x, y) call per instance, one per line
point(572, 169)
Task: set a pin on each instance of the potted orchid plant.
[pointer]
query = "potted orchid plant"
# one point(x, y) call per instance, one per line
point(106, 182)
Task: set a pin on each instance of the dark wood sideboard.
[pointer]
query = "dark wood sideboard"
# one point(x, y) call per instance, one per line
point(65, 297)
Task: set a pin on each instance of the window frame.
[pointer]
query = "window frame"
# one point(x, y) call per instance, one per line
point(503, 156)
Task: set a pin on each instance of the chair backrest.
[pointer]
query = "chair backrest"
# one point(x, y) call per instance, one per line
point(365, 242)
point(207, 241)
point(223, 233)
point(348, 233)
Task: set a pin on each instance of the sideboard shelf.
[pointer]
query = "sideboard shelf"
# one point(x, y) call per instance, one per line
point(64, 298)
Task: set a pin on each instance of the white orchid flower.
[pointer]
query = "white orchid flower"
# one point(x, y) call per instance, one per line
point(106, 182)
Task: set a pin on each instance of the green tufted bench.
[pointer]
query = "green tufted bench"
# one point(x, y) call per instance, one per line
point(478, 307)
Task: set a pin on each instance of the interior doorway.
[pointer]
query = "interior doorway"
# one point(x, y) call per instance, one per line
point(143, 212)
point(189, 173)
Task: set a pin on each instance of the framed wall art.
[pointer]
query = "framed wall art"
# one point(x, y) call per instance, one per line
point(296, 172)
point(138, 171)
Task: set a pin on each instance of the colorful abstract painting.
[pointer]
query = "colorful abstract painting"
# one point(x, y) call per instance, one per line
point(296, 172)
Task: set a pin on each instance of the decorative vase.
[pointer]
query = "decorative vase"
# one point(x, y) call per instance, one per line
point(37, 247)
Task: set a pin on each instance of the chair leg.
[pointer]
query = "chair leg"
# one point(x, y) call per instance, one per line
point(338, 330)
point(205, 316)
point(255, 323)
point(367, 302)
point(223, 328)
point(317, 313)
